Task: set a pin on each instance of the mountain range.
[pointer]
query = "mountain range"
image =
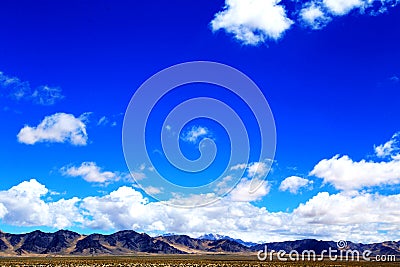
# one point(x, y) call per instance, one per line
point(64, 242)
point(222, 237)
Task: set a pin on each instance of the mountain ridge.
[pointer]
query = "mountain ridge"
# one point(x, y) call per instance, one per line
point(129, 242)
point(221, 237)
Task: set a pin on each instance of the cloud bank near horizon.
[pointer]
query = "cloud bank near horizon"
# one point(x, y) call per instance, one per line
point(364, 210)
point(361, 215)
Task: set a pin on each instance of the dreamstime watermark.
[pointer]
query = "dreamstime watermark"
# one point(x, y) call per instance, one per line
point(152, 131)
point(340, 253)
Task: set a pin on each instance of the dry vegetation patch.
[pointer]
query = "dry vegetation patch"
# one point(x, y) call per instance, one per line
point(170, 261)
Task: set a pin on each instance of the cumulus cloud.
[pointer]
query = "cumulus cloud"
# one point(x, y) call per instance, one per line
point(342, 7)
point(252, 186)
point(389, 149)
point(3, 210)
point(317, 14)
point(57, 128)
point(252, 22)
point(92, 173)
point(355, 208)
point(313, 16)
point(14, 88)
point(294, 183)
point(361, 217)
point(245, 191)
point(25, 207)
point(126, 209)
point(345, 174)
point(118, 210)
point(195, 133)
point(256, 21)
point(257, 169)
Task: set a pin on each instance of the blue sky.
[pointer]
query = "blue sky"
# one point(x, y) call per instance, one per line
point(329, 69)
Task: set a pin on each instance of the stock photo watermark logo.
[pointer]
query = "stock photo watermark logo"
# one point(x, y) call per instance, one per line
point(139, 134)
point(342, 252)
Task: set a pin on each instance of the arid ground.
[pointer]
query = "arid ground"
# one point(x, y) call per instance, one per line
point(172, 261)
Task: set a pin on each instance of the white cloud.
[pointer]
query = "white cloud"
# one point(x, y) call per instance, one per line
point(224, 185)
point(118, 210)
point(257, 169)
point(244, 190)
point(57, 128)
point(250, 188)
point(294, 184)
point(195, 133)
point(317, 14)
point(141, 171)
point(370, 7)
point(125, 208)
point(46, 95)
point(90, 172)
point(25, 207)
point(142, 167)
point(253, 21)
point(153, 190)
point(3, 210)
point(256, 21)
point(103, 121)
point(360, 218)
point(390, 149)
point(14, 88)
point(355, 208)
point(239, 167)
point(138, 175)
point(345, 174)
point(254, 169)
point(342, 7)
point(313, 16)
point(193, 200)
